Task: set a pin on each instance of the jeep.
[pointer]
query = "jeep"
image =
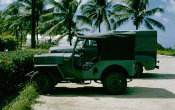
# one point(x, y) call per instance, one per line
point(146, 50)
point(112, 65)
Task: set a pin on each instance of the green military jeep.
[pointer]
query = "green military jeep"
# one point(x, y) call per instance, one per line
point(112, 65)
point(145, 50)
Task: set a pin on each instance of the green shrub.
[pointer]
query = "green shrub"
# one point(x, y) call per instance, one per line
point(44, 45)
point(165, 51)
point(26, 97)
point(160, 47)
point(13, 67)
point(7, 42)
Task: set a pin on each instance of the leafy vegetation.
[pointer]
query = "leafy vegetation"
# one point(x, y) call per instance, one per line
point(26, 97)
point(63, 18)
point(98, 11)
point(137, 11)
point(7, 42)
point(169, 52)
point(13, 66)
point(45, 44)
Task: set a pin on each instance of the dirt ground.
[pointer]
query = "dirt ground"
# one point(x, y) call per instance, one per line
point(155, 91)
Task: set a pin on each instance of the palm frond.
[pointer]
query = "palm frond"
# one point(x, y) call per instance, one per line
point(49, 22)
point(95, 25)
point(120, 7)
point(156, 23)
point(53, 14)
point(108, 26)
point(119, 22)
point(55, 26)
point(58, 5)
point(153, 11)
point(148, 25)
point(144, 4)
point(85, 6)
point(83, 20)
point(59, 38)
point(119, 15)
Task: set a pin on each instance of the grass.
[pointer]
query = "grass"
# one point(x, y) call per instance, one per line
point(169, 52)
point(23, 102)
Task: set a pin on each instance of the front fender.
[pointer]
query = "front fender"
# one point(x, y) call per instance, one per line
point(52, 67)
point(147, 61)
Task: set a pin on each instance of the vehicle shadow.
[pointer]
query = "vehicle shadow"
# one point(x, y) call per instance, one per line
point(157, 76)
point(131, 92)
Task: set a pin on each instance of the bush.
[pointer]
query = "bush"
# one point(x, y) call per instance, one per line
point(167, 51)
point(13, 67)
point(7, 42)
point(26, 97)
point(44, 45)
point(160, 47)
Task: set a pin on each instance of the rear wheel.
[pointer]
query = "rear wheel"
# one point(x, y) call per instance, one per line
point(138, 70)
point(44, 82)
point(114, 83)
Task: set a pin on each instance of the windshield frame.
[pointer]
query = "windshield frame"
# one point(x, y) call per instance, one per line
point(76, 44)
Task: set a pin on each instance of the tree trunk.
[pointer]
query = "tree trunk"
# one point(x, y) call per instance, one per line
point(99, 27)
point(70, 37)
point(37, 33)
point(33, 42)
point(50, 40)
point(137, 27)
point(17, 38)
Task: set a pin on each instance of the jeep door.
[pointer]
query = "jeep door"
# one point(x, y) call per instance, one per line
point(90, 49)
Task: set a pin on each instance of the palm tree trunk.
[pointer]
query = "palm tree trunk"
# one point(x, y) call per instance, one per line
point(137, 27)
point(50, 40)
point(99, 28)
point(37, 32)
point(70, 37)
point(33, 42)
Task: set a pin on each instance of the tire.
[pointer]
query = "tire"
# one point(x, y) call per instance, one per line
point(43, 81)
point(138, 70)
point(114, 83)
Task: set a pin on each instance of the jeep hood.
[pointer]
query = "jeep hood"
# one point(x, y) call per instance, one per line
point(61, 49)
point(51, 58)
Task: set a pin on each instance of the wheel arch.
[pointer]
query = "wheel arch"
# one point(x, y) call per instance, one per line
point(147, 62)
point(139, 63)
point(113, 68)
point(53, 70)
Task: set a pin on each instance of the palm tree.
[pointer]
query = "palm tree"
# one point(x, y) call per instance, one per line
point(98, 11)
point(19, 14)
point(137, 11)
point(61, 19)
point(14, 22)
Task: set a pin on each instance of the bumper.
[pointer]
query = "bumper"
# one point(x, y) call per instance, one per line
point(157, 67)
point(30, 74)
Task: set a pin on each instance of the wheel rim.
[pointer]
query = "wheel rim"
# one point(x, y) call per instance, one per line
point(114, 83)
point(42, 82)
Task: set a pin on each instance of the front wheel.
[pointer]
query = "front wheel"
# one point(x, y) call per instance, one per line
point(43, 81)
point(114, 83)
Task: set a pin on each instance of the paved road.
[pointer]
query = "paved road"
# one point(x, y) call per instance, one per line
point(155, 91)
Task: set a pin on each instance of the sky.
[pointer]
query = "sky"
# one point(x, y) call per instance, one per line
point(165, 38)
